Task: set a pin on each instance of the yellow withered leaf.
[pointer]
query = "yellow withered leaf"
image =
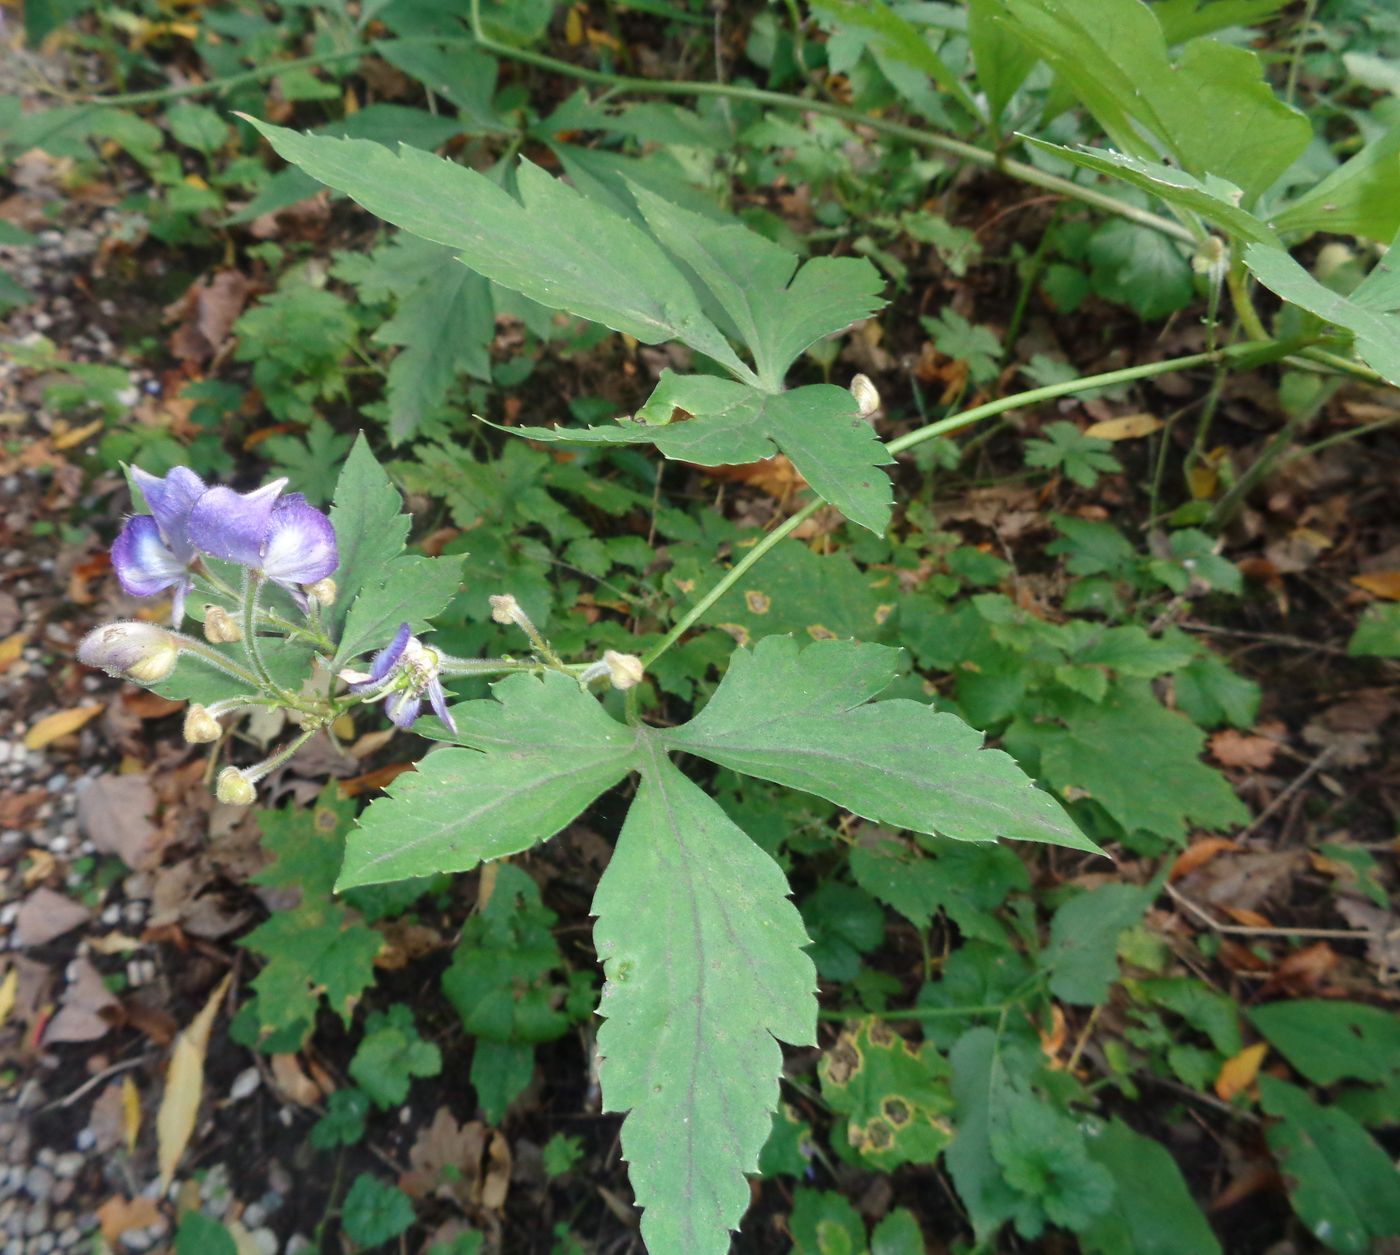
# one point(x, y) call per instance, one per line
point(184, 1087)
point(1237, 1073)
point(9, 990)
point(51, 727)
point(131, 1112)
point(1382, 583)
point(1128, 427)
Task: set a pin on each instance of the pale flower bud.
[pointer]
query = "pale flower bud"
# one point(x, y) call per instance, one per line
point(624, 670)
point(220, 627)
point(234, 788)
point(866, 394)
point(201, 726)
point(323, 591)
point(131, 651)
point(505, 609)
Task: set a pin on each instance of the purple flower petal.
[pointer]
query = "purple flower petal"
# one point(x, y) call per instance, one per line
point(439, 701)
point(233, 525)
point(403, 707)
point(142, 560)
point(299, 546)
point(385, 660)
point(170, 501)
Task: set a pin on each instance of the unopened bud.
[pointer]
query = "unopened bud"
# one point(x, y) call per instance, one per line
point(131, 651)
point(234, 788)
point(624, 670)
point(866, 394)
point(220, 627)
point(201, 726)
point(505, 609)
point(323, 591)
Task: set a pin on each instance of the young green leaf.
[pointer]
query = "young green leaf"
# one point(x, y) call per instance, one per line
point(702, 951)
point(370, 527)
point(541, 752)
point(715, 422)
point(412, 590)
point(1082, 957)
point(554, 245)
point(1368, 313)
point(1359, 197)
point(1340, 1182)
point(1113, 56)
point(804, 719)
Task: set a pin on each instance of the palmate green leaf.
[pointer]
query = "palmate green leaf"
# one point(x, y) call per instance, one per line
point(776, 312)
point(1211, 197)
point(553, 245)
point(804, 719)
point(370, 528)
point(702, 950)
point(414, 590)
point(1340, 1182)
point(1113, 57)
point(1360, 197)
point(542, 750)
point(1369, 312)
point(718, 422)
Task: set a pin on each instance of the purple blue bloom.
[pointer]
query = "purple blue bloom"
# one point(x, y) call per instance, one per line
point(153, 551)
point(289, 541)
point(417, 676)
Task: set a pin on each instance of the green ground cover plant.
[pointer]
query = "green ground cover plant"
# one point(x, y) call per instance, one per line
point(779, 721)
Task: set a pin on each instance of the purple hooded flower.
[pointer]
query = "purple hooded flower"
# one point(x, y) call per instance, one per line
point(290, 542)
point(417, 675)
point(153, 551)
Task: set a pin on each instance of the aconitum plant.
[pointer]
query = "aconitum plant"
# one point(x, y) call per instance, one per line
point(703, 951)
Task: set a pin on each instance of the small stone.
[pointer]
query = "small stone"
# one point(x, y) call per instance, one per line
point(63, 1191)
point(38, 1219)
point(71, 1236)
point(253, 1216)
point(69, 1164)
point(265, 1240)
point(38, 1182)
point(245, 1084)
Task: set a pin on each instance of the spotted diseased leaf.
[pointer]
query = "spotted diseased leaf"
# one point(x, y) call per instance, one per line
point(702, 951)
point(803, 718)
point(540, 752)
point(895, 1098)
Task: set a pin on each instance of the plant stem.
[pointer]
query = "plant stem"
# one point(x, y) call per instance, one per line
point(1252, 353)
point(210, 656)
point(252, 586)
point(729, 579)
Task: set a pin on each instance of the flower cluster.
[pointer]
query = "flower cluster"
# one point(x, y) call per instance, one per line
point(283, 538)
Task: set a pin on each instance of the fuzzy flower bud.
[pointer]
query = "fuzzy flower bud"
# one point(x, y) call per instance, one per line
point(201, 726)
point(220, 627)
point(505, 609)
point(234, 788)
point(322, 591)
point(624, 670)
point(866, 394)
point(131, 651)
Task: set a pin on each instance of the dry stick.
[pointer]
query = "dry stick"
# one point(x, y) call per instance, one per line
point(92, 1082)
point(1307, 774)
point(1268, 638)
point(1244, 930)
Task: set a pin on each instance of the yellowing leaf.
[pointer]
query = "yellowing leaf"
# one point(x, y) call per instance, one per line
point(9, 990)
point(1128, 427)
point(1382, 583)
point(51, 727)
point(131, 1112)
point(1238, 1073)
point(10, 649)
point(184, 1087)
point(76, 435)
point(1202, 479)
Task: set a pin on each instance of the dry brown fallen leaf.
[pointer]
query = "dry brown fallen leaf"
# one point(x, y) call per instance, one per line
point(10, 650)
point(1232, 748)
point(87, 1004)
point(1382, 583)
point(45, 915)
point(293, 1082)
point(1237, 1073)
point(51, 727)
point(120, 1215)
point(115, 814)
point(1198, 854)
point(184, 1087)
